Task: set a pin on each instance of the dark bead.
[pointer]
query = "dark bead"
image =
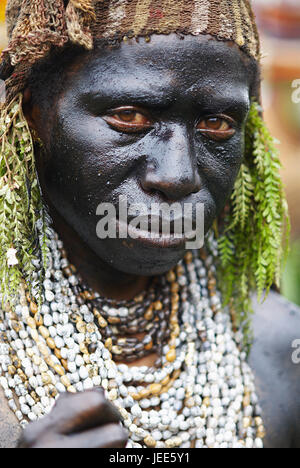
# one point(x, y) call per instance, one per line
point(30, 388)
point(130, 358)
point(112, 384)
point(147, 339)
point(143, 325)
point(80, 300)
point(139, 347)
point(92, 348)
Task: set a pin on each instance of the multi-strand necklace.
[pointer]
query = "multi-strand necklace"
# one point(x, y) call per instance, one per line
point(199, 393)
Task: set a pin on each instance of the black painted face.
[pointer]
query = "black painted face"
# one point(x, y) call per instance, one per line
point(156, 122)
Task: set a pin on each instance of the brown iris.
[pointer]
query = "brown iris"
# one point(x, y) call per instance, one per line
point(128, 119)
point(133, 120)
point(217, 128)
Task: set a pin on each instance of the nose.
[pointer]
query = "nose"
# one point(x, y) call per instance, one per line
point(171, 165)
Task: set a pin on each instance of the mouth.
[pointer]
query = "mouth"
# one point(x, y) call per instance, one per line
point(156, 236)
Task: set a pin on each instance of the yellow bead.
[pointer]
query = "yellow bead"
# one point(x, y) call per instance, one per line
point(175, 297)
point(49, 361)
point(206, 401)
point(116, 350)
point(57, 354)
point(31, 322)
point(142, 394)
point(175, 288)
point(114, 320)
point(37, 360)
point(108, 344)
point(90, 328)
point(171, 355)
point(59, 369)
point(246, 423)
point(155, 389)
point(81, 327)
point(149, 345)
point(86, 358)
point(43, 367)
point(50, 343)
point(174, 442)
point(43, 349)
point(64, 362)
point(30, 352)
point(34, 334)
point(38, 319)
point(171, 277)
point(148, 314)
point(188, 257)
point(83, 348)
point(113, 394)
point(150, 442)
point(33, 307)
point(11, 370)
point(261, 433)
point(16, 325)
point(46, 378)
point(44, 332)
point(65, 381)
point(258, 421)
point(102, 322)
point(165, 381)
point(158, 305)
point(190, 402)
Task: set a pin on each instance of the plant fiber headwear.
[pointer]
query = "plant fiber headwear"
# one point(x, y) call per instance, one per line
point(251, 242)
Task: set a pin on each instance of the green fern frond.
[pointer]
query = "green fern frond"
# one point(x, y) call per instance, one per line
point(254, 246)
point(21, 207)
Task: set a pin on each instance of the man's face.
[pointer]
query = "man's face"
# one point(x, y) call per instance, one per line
point(154, 122)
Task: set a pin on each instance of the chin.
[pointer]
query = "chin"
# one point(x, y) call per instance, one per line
point(134, 258)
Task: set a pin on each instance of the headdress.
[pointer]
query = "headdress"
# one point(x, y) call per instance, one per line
point(250, 245)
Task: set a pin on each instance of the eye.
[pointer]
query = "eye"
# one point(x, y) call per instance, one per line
point(216, 128)
point(128, 119)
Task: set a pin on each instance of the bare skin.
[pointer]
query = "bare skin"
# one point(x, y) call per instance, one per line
point(171, 159)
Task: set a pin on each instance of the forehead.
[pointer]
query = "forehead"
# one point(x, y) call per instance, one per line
point(165, 64)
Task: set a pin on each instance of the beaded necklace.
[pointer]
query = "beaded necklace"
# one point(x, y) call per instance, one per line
point(201, 390)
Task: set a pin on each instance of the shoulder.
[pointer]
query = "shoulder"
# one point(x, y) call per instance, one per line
point(10, 429)
point(276, 326)
point(280, 316)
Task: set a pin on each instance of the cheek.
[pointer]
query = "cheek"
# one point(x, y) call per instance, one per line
point(219, 167)
point(87, 165)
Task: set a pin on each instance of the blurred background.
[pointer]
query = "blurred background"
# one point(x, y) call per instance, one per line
point(279, 23)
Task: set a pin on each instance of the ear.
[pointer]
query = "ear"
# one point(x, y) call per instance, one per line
point(31, 111)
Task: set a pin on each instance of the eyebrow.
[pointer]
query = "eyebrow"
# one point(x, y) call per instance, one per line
point(156, 97)
point(236, 96)
point(206, 98)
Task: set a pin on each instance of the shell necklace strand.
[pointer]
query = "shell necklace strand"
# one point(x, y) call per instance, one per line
point(201, 391)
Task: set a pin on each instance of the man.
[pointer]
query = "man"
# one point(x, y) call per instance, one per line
point(155, 119)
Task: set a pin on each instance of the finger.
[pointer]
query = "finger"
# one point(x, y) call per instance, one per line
point(108, 436)
point(72, 413)
point(82, 411)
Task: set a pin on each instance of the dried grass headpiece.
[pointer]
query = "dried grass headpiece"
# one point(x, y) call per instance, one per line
point(251, 245)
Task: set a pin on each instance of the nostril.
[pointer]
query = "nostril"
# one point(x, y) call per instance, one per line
point(171, 189)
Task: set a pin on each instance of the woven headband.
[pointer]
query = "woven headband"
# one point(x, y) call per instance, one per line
point(34, 26)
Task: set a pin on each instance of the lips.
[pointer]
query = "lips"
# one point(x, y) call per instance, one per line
point(153, 232)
